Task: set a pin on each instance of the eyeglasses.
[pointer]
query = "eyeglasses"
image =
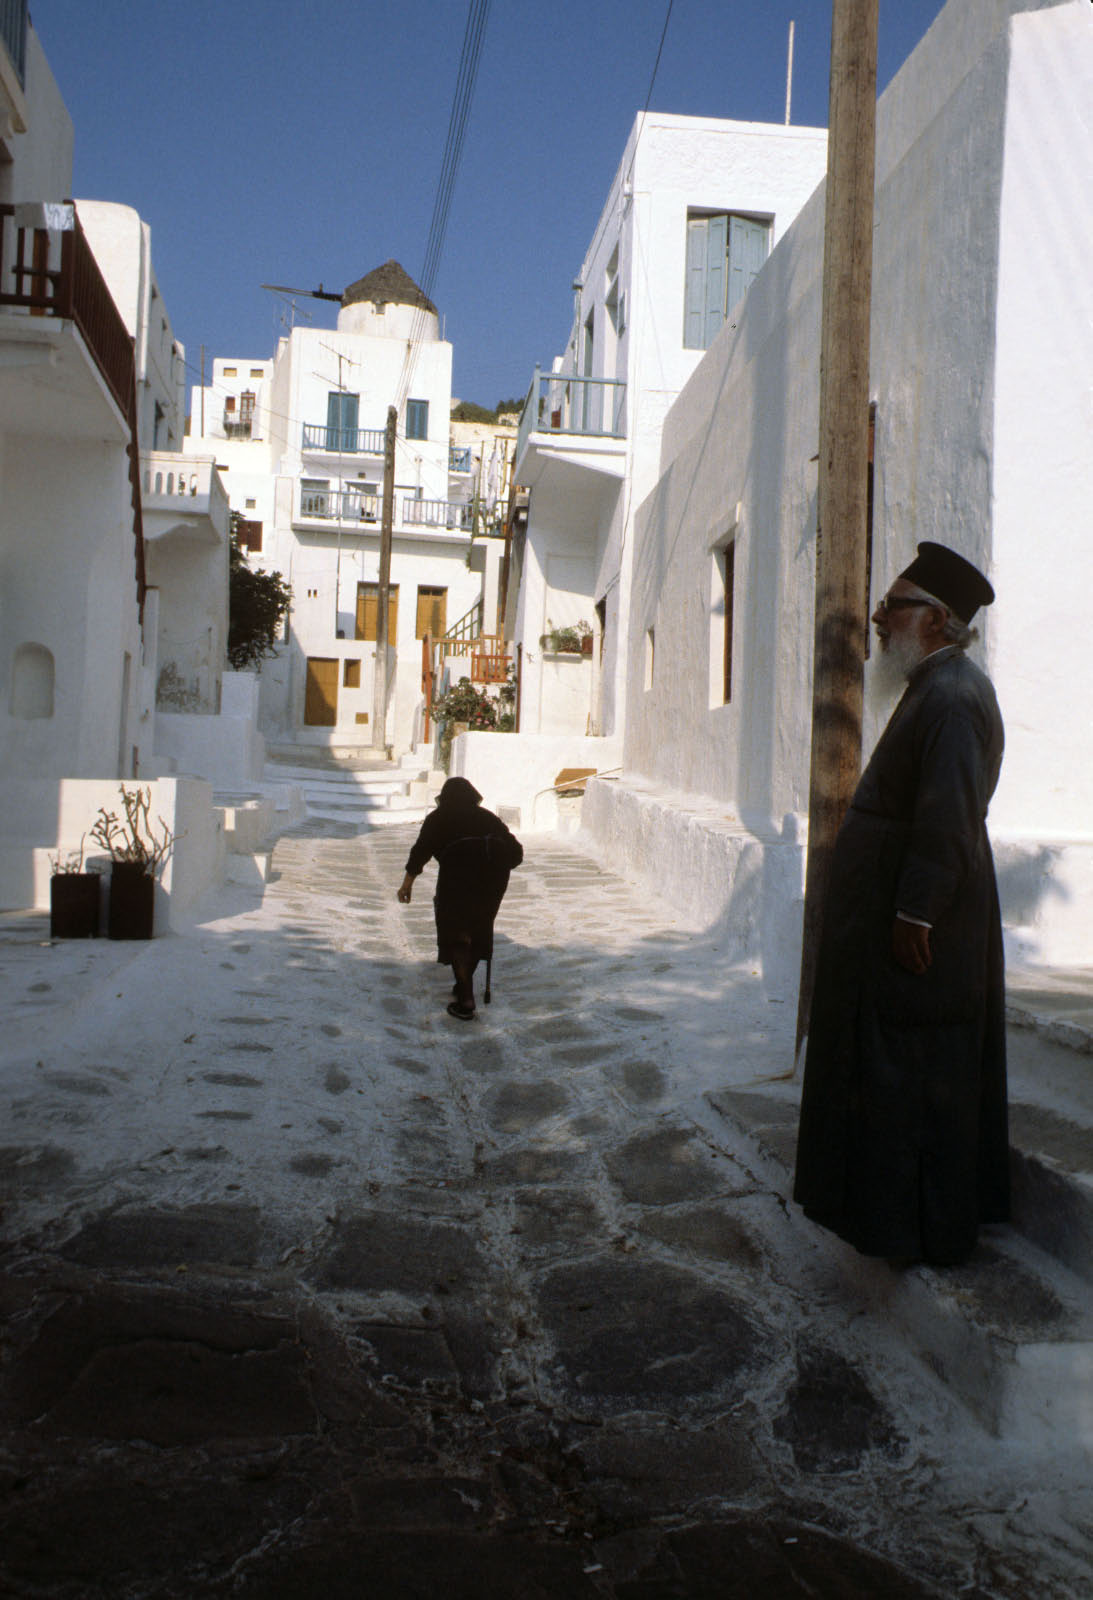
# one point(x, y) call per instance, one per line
point(901, 602)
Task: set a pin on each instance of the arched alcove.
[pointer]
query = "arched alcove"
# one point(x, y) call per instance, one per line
point(32, 682)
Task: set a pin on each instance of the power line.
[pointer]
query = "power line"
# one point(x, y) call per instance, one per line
point(473, 36)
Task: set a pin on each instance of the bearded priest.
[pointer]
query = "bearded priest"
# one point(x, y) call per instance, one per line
point(903, 1146)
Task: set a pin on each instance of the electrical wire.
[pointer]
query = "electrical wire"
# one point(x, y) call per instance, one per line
point(462, 99)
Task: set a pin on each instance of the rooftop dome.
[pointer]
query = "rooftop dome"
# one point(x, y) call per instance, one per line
point(390, 284)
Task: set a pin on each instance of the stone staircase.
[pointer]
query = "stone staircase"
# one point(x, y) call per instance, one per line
point(358, 790)
point(1010, 1333)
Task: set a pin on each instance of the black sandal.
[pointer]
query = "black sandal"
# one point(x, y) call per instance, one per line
point(464, 1013)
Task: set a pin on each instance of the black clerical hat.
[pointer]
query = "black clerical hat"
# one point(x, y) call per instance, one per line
point(941, 572)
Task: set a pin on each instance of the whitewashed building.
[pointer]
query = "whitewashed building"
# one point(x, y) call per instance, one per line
point(89, 370)
point(981, 355)
point(300, 443)
point(696, 206)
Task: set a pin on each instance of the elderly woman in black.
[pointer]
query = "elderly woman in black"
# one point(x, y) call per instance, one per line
point(475, 853)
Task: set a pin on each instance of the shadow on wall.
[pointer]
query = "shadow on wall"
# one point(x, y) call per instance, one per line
point(1026, 881)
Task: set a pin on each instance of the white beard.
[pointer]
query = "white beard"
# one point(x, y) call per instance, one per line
point(889, 670)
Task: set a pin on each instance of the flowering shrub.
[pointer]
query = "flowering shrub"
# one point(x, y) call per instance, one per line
point(464, 703)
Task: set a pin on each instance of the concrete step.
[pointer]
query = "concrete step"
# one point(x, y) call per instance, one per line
point(355, 784)
point(1010, 1332)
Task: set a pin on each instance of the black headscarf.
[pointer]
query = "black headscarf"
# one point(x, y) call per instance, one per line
point(458, 794)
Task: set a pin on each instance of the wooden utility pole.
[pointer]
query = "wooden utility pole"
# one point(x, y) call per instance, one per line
point(841, 600)
point(383, 588)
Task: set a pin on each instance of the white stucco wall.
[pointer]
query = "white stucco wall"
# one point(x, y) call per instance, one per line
point(226, 749)
point(43, 817)
point(122, 245)
point(980, 362)
point(518, 770)
point(671, 165)
point(41, 157)
point(1042, 464)
point(70, 587)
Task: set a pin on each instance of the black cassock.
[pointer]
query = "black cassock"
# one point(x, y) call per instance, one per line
point(903, 1145)
point(475, 853)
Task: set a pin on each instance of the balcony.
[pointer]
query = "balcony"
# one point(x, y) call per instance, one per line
point(579, 421)
point(344, 441)
point(183, 495)
point(236, 426)
point(448, 514)
point(49, 283)
point(339, 505)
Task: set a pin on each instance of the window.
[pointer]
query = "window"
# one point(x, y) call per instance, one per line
point(721, 623)
point(724, 255)
point(238, 425)
point(341, 421)
point(315, 497)
point(257, 372)
point(417, 419)
point(432, 612)
point(368, 611)
point(230, 372)
point(248, 534)
point(32, 674)
point(250, 504)
point(351, 674)
point(650, 651)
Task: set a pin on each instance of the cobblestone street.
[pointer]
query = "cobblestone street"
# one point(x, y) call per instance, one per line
point(310, 1289)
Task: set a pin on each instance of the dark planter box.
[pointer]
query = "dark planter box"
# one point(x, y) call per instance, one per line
point(74, 899)
point(132, 902)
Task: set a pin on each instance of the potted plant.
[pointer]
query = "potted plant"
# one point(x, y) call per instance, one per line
point(138, 854)
point(460, 709)
point(571, 641)
point(74, 896)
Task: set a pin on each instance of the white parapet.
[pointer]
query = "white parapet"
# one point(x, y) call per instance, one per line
point(46, 817)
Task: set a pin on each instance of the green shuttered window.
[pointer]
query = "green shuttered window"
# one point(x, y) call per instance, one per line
point(724, 255)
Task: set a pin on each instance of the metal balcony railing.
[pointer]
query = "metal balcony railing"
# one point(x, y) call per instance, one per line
point(344, 441)
point(562, 402)
point(438, 514)
point(340, 505)
point(236, 427)
point(13, 33)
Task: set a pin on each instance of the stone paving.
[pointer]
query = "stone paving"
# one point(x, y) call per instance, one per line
point(311, 1289)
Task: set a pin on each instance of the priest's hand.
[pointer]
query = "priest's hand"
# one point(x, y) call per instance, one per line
point(911, 945)
point(406, 889)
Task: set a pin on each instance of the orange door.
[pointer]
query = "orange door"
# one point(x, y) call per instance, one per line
point(321, 693)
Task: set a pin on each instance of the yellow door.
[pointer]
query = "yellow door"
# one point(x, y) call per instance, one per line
point(321, 694)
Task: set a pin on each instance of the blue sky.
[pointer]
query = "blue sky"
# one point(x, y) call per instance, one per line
point(286, 143)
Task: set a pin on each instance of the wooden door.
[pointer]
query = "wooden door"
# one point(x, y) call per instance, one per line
point(321, 693)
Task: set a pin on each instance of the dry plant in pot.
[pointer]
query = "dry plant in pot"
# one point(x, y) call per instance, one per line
point(139, 849)
point(74, 896)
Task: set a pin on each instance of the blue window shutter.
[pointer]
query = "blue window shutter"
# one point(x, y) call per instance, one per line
point(341, 421)
point(716, 263)
point(417, 419)
point(694, 311)
point(748, 245)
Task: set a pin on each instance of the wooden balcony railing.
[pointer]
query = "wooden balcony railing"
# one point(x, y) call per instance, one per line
point(49, 270)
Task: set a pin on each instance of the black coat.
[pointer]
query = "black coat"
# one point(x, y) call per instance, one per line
point(475, 853)
point(903, 1146)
